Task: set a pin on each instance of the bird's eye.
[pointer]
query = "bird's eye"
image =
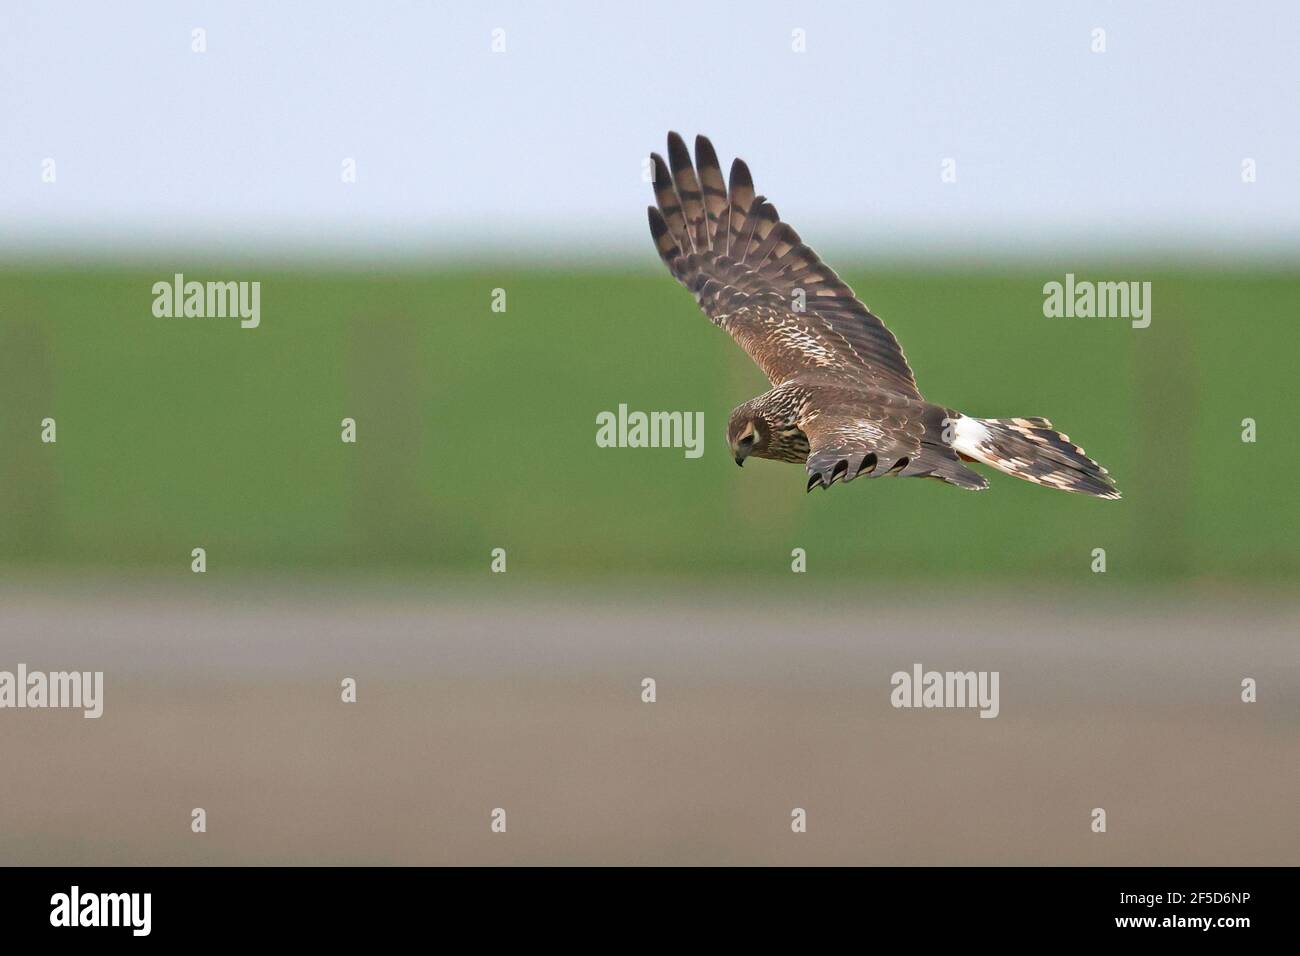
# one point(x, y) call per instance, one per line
point(747, 441)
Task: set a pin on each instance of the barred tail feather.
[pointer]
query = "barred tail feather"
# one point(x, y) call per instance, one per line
point(1028, 448)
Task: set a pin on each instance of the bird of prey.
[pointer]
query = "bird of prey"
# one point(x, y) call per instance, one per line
point(843, 398)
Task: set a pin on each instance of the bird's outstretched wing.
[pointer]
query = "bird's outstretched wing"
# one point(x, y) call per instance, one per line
point(752, 275)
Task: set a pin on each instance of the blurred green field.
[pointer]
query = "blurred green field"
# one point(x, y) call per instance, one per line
point(477, 429)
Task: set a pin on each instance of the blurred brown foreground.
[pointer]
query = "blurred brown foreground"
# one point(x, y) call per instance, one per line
point(229, 699)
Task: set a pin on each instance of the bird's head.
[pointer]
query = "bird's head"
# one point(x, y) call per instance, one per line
point(746, 434)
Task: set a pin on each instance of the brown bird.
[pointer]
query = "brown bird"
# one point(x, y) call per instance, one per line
point(843, 398)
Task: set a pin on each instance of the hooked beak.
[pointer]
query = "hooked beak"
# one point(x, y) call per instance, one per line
point(740, 460)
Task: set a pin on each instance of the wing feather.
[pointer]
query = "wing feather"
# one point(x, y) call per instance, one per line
point(670, 207)
point(715, 189)
point(740, 196)
point(866, 433)
point(753, 275)
point(688, 192)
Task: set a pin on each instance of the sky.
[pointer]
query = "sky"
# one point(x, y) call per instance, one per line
point(847, 113)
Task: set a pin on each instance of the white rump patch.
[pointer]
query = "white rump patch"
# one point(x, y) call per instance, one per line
point(970, 436)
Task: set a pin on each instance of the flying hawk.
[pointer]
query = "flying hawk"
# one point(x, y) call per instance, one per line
point(843, 399)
